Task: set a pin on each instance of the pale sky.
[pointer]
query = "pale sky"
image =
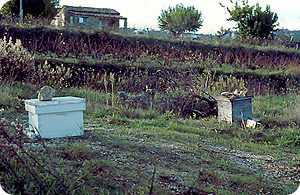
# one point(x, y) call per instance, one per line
point(144, 13)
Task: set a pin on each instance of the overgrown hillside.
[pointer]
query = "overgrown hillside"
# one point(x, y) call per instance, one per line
point(104, 46)
point(155, 60)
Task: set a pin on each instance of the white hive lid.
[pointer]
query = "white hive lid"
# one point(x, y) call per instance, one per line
point(57, 104)
point(55, 101)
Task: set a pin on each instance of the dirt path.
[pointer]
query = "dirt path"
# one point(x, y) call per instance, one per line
point(267, 166)
point(264, 165)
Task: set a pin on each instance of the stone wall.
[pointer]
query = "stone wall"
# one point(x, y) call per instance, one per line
point(84, 17)
point(90, 21)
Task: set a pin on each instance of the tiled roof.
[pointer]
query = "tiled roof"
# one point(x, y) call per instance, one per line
point(91, 10)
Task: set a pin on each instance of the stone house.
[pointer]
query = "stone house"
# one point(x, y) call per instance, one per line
point(100, 18)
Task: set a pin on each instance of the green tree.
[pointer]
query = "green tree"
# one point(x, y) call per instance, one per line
point(180, 19)
point(44, 8)
point(222, 32)
point(252, 21)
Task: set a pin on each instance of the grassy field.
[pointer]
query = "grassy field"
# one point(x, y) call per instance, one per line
point(163, 146)
point(128, 150)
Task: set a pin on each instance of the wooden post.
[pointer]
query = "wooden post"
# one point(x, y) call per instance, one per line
point(125, 23)
point(21, 11)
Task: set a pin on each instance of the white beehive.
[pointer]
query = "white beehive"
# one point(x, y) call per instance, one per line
point(60, 117)
point(235, 109)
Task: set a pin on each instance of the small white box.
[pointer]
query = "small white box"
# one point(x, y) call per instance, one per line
point(252, 123)
point(60, 117)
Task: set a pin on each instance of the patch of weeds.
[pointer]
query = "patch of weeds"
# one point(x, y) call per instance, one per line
point(13, 94)
point(95, 100)
point(207, 182)
point(138, 114)
point(90, 179)
point(176, 126)
point(103, 112)
point(255, 184)
point(117, 120)
point(277, 110)
point(124, 113)
point(225, 165)
point(81, 151)
point(156, 122)
point(289, 137)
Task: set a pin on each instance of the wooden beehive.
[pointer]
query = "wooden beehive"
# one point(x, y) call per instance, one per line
point(235, 109)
